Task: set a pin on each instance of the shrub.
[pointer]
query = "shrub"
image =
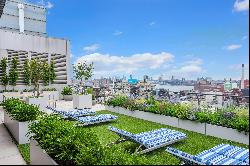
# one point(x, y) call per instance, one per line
point(49, 89)
point(67, 91)
point(69, 145)
point(21, 111)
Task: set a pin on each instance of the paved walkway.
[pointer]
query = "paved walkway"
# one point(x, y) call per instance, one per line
point(9, 153)
point(66, 105)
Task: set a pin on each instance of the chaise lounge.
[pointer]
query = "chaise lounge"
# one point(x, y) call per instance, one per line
point(151, 140)
point(223, 154)
point(72, 113)
point(89, 120)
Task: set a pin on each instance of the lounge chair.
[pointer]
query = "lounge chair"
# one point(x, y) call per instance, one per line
point(223, 154)
point(149, 140)
point(72, 113)
point(88, 120)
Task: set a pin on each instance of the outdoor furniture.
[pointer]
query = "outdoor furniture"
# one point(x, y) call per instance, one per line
point(72, 113)
point(223, 154)
point(149, 140)
point(89, 120)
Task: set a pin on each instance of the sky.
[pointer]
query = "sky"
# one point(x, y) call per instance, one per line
point(183, 38)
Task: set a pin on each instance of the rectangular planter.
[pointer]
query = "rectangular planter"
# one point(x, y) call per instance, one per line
point(42, 102)
point(8, 95)
point(227, 133)
point(162, 119)
point(38, 156)
point(17, 129)
point(192, 126)
point(82, 101)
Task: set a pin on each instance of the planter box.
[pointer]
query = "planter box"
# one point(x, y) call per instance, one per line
point(68, 97)
point(42, 102)
point(227, 133)
point(162, 119)
point(82, 101)
point(1, 97)
point(17, 129)
point(192, 126)
point(52, 95)
point(8, 95)
point(38, 156)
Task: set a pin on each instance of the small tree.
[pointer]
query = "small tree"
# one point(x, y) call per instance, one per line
point(52, 72)
point(13, 76)
point(36, 74)
point(26, 72)
point(46, 73)
point(83, 71)
point(4, 79)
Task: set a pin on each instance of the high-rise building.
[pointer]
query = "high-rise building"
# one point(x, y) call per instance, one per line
point(23, 35)
point(242, 77)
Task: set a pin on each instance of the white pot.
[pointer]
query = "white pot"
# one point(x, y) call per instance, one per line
point(82, 101)
point(17, 129)
point(38, 156)
point(42, 102)
point(68, 97)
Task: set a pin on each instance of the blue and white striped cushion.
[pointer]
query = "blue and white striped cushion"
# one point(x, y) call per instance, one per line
point(232, 152)
point(97, 118)
point(73, 113)
point(157, 137)
point(120, 132)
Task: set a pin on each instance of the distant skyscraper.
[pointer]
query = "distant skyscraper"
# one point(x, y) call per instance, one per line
point(242, 77)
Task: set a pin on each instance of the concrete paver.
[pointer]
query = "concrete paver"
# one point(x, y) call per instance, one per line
point(9, 153)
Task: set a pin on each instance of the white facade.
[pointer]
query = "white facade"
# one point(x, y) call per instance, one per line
point(29, 42)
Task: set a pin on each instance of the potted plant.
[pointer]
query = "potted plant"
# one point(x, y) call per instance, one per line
point(17, 116)
point(83, 72)
point(52, 93)
point(67, 93)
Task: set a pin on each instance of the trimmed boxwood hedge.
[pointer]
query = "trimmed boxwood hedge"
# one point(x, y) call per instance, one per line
point(21, 111)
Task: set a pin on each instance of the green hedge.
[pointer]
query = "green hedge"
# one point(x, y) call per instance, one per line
point(21, 111)
point(231, 117)
point(69, 145)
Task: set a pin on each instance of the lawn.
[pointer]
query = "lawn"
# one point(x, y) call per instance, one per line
point(194, 143)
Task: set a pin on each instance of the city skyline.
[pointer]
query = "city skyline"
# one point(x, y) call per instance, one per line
point(189, 39)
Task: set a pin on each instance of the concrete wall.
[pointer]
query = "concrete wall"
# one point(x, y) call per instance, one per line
point(34, 17)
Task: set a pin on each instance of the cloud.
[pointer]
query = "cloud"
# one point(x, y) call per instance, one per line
point(91, 48)
point(108, 65)
point(233, 47)
point(49, 5)
point(189, 68)
point(117, 33)
point(152, 23)
point(71, 55)
point(241, 5)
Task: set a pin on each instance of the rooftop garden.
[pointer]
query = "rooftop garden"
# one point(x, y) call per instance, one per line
point(231, 117)
point(71, 145)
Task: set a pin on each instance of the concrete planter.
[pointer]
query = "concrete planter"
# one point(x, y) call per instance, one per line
point(203, 128)
point(162, 119)
point(52, 95)
point(8, 95)
point(192, 126)
point(38, 156)
point(82, 101)
point(68, 97)
point(42, 102)
point(227, 133)
point(17, 129)
point(1, 97)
